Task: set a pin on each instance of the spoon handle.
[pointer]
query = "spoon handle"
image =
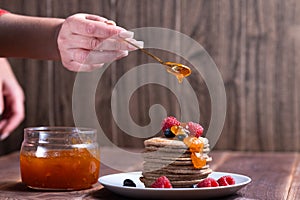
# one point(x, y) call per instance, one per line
point(146, 52)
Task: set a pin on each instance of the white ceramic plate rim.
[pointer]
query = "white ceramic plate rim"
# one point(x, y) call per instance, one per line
point(109, 182)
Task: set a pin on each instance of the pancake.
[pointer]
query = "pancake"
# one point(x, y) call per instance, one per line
point(174, 161)
point(169, 143)
point(177, 179)
point(172, 158)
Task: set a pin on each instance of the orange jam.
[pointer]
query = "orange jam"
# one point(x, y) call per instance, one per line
point(196, 147)
point(62, 169)
point(197, 160)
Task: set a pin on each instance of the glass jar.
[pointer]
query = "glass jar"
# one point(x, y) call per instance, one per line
point(59, 158)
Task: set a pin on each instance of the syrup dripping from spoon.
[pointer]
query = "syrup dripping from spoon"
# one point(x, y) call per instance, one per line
point(177, 69)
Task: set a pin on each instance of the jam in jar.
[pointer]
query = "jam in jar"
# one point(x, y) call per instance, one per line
point(59, 158)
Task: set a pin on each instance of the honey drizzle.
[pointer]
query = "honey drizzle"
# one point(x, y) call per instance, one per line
point(177, 69)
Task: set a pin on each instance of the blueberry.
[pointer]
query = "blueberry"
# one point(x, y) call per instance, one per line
point(129, 183)
point(168, 133)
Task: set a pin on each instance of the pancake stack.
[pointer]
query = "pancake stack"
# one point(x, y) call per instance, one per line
point(172, 158)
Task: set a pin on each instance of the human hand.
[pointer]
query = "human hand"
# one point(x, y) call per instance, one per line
point(11, 100)
point(88, 41)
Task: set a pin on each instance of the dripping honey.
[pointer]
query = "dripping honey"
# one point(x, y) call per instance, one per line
point(179, 70)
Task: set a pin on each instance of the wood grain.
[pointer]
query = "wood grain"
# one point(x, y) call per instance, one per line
point(254, 44)
point(252, 56)
point(295, 185)
point(263, 169)
point(274, 176)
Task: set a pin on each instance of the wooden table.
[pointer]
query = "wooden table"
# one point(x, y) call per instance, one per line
point(274, 176)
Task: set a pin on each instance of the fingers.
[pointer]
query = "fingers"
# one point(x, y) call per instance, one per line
point(3, 136)
point(81, 42)
point(1, 100)
point(110, 44)
point(79, 67)
point(103, 52)
point(11, 100)
point(93, 17)
point(91, 43)
point(92, 26)
point(9, 124)
point(92, 40)
point(3, 121)
point(97, 57)
point(113, 44)
point(13, 115)
point(84, 60)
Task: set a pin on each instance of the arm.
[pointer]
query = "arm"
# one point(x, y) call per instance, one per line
point(83, 42)
point(30, 37)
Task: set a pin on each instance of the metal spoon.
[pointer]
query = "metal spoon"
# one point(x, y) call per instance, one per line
point(177, 69)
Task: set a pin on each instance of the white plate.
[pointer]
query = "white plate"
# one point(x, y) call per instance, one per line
point(114, 183)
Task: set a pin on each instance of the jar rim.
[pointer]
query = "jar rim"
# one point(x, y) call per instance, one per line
point(60, 129)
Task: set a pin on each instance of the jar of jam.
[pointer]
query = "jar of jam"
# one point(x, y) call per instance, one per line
point(59, 158)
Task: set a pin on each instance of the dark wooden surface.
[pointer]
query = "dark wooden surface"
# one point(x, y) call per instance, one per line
point(275, 176)
point(254, 43)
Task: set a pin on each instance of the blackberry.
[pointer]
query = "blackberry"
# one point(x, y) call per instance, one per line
point(168, 133)
point(129, 183)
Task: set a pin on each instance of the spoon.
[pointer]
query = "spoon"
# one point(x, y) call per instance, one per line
point(177, 69)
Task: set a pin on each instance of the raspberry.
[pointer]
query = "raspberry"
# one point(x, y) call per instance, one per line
point(169, 122)
point(195, 129)
point(208, 182)
point(162, 182)
point(226, 180)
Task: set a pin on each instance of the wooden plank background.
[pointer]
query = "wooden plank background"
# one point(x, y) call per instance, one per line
point(254, 43)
